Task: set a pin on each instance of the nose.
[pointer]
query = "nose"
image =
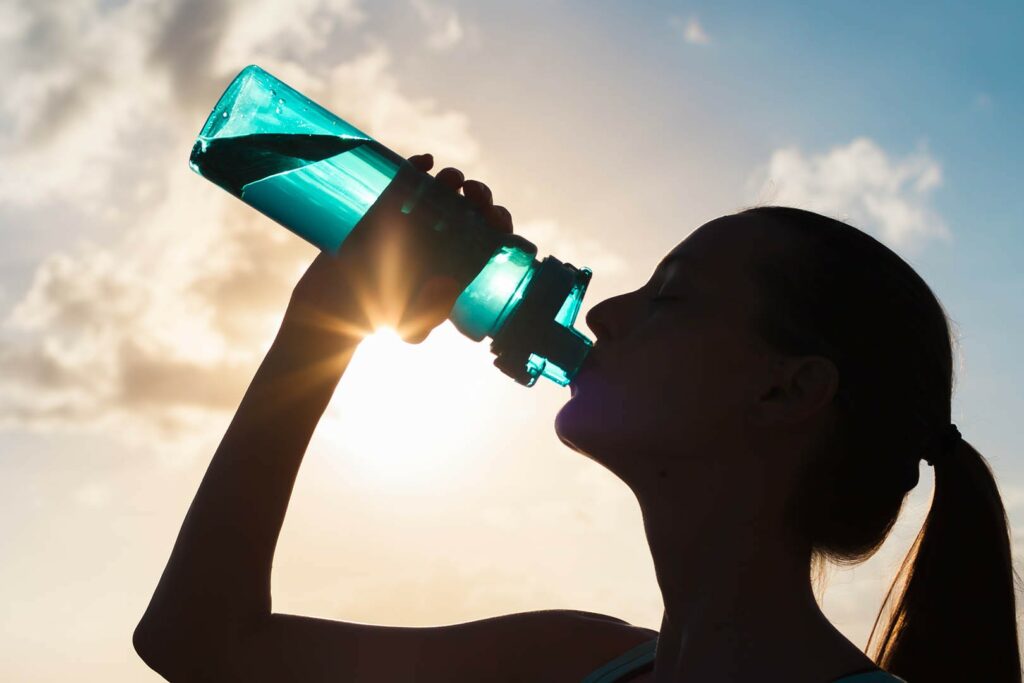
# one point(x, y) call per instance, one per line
point(604, 319)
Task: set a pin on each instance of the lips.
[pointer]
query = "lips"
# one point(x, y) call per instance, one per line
point(589, 365)
point(574, 383)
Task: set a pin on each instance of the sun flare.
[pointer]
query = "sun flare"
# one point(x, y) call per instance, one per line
point(410, 414)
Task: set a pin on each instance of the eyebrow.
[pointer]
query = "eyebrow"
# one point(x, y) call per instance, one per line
point(672, 259)
point(675, 261)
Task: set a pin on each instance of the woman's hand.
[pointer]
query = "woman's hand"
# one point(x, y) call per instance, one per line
point(369, 285)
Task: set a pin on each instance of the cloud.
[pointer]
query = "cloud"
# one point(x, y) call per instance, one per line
point(983, 102)
point(365, 92)
point(551, 238)
point(444, 27)
point(71, 85)
point(290, 31)
point(94, 494)
point(94, 90)
point(161, 327)
point(140, 333)
point(691, 30)
point(861, 183)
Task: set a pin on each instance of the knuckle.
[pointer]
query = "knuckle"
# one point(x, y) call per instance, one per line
point(480, 192)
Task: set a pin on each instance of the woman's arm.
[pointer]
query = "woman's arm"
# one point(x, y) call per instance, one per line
point(215, 588)
point(217, 579)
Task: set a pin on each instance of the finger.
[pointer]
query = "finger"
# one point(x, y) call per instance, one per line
point(415, 333)
point(478, 193)
point(423, 162)
point(452, 177)
point(500, 217)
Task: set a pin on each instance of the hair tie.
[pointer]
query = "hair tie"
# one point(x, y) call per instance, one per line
point(947, 444)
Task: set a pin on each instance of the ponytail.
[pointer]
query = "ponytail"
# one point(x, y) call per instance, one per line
point(954, 617)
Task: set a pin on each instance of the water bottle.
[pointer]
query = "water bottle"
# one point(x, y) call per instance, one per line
point(322, 178)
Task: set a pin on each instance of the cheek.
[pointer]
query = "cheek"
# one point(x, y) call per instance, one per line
point(673, 392)
point(633, 403)
point(601, 420)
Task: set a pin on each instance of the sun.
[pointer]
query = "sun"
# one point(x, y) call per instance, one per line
point(410, 415)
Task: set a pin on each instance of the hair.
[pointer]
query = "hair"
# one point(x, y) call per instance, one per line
point(837, 292)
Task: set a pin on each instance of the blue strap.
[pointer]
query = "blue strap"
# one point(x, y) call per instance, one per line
point(871, 677)
point(644, 654)
point(639, 656)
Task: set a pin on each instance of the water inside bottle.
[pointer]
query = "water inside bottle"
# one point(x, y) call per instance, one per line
point(318, 186)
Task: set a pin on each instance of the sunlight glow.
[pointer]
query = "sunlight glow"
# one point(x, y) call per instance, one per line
point(411, 415)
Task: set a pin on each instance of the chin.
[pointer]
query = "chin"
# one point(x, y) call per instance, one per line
point(590, 427)
point(570, 425)
point(587, 429)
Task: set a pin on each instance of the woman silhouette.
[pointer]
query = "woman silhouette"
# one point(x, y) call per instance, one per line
point(767, 396)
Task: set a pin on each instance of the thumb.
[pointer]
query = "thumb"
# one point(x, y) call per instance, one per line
point(430, 307)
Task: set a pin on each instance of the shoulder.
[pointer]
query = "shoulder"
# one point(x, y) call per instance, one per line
point(548, 646)
point(569, 644)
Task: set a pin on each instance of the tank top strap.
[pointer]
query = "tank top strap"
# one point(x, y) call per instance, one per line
point(641, 656)
point(629, 662)
point(875, 676)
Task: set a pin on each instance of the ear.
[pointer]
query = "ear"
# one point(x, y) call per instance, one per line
point(796, 389)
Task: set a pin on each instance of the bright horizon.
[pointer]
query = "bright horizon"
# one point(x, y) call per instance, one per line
point(136, 298)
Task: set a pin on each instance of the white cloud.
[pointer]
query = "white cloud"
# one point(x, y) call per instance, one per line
point(93, 90)
point(161, 328)
point(143, 332)
point(983, 102)
point(298, 28)
point(861, 183)
point(691, 30)
point(550, 238)
point(95, 494)
point(365, 92)
point(445, 28)
point(72, 87)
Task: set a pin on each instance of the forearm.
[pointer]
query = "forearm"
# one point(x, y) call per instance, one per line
point(219, 571)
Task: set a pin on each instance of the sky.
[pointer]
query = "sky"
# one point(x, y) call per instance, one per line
point(136, 299)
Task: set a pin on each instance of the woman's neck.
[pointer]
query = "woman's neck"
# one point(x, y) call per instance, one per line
point(737, 594)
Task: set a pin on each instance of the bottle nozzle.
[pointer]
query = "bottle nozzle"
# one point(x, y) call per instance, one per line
point(539, 338)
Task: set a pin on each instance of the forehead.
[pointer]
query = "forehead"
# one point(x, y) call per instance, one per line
point(722, 249)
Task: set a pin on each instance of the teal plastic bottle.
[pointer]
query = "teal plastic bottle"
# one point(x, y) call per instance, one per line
point(322, 178)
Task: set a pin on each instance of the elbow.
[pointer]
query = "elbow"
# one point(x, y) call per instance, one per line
point(147, 645)
point(166, 649)
point(153, 646)
point(183, 650)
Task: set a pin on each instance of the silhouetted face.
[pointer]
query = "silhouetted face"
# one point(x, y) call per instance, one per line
point(677, 366)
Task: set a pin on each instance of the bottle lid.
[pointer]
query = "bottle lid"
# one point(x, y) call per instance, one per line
point(539, 338)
